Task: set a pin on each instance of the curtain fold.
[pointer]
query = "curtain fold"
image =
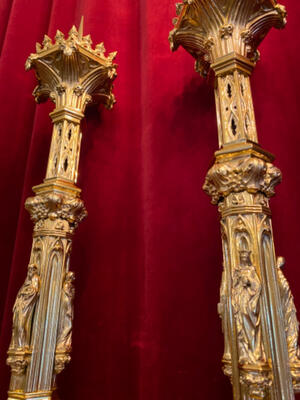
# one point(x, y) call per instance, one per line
point(148, 258)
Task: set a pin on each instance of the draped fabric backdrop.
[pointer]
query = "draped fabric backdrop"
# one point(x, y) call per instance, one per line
point(148, 257)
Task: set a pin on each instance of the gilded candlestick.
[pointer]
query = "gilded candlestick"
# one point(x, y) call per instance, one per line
point(72, 74)
point(261, 355)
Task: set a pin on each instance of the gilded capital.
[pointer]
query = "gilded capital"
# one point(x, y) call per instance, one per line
point(71, 72)
point(212, 29)
point(252, 174)
point(56, 207)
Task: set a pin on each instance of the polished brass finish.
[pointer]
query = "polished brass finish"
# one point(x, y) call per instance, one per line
point(261, 355)
point(72, 74)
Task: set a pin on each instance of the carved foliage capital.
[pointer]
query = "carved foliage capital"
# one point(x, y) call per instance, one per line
point(18, 361)
point(55, 207)
point(251, 174)
point(258, 382)
point(61, 360)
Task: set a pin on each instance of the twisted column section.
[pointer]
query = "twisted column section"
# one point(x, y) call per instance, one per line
point(261, 354)
point(72, 74)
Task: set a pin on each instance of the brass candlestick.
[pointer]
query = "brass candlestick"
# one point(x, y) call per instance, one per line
point(72, 74)
point(261, 355)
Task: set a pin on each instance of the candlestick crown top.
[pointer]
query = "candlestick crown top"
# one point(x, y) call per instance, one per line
point(71, 72)
point(211, 29)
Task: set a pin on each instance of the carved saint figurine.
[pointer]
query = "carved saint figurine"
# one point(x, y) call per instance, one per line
point(23, 309)
point(66, 314)
point(289, 313)
point(222, 311)
point(246, 292)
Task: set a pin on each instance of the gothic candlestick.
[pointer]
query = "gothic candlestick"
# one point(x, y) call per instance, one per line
point(259, 322)
point(72, 74)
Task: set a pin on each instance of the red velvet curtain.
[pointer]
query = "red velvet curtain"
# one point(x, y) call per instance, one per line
point(148, 257)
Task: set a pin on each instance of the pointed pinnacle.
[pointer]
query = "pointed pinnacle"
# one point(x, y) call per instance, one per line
point(73, 31)
point(38, 47)
point(100, 49)
point(87, 39)
point(80, 30)
point(112, 55)
point(59, 36)
point(47, 41)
